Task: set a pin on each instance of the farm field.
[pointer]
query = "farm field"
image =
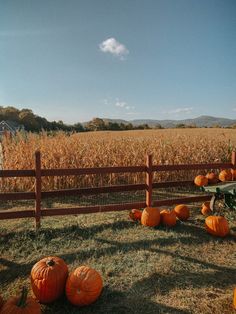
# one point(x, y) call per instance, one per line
point(145, 270)
point(124, 148)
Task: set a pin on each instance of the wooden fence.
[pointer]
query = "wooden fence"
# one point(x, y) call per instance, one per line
point(148, 186)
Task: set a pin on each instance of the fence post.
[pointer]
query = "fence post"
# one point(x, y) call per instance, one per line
point(233, 161)
point(233, 158)
point(37, 189)
point(149, 181)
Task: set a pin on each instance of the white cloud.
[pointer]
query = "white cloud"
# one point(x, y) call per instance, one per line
point(123, 104)
point(234, 109)
point(133, 113)
point(180, 110)
point(111, 45)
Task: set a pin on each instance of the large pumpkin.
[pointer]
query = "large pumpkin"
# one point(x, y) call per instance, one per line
point(150, 217)
point(21, 305)
point(206, 210)
point(135, 214)
point(217, 226)
point(182, 211)
point(48, 278)
point(212, 177)
point(84, 285)
point(225, 175)
point(168, 217)
point(201, 180)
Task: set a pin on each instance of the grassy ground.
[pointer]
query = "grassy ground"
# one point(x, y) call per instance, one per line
point(145, 270)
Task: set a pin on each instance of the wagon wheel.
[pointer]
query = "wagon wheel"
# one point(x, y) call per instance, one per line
point(217, 203)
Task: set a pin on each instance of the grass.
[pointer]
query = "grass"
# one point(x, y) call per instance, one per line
point(145, 270)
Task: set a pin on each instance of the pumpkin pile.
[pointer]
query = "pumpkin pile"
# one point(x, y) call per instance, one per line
point(153, 216)
point(50, 279)
point(213, 178)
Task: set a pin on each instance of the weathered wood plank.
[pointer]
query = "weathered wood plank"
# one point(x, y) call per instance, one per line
point(90, 209)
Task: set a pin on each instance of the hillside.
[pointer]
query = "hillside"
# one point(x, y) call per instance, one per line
point(207, 121)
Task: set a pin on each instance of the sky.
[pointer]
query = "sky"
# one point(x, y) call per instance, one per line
point(121, 59)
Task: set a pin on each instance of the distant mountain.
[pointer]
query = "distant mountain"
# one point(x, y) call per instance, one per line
point(202, 121)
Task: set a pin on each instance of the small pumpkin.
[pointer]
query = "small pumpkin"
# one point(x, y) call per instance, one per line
point(21, 305)
point(234, 300)
point(206, 210)
point(225, 175)
point(168, 217)
point(1, 302)
point(217, 226)
point(201, 180)
point(83, 286)
point(48, 278)
point(135, 214)
point(150, 217)
point(182, 211)
point(212, 177)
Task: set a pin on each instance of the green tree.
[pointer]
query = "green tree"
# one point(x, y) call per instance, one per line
point(96, 124)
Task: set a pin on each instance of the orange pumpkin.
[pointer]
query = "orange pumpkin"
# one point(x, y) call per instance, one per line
point(225, 175)
point(1, 302)
point(135, 214)
point(201, 180)
point(150, 217)
point(21, 305)
point(234, 300)
point(217, 226)
point(206, 208)
point(233, 172)
point(182, 211)
point(168, 218)
point(212, 177)
point(48, 278)
point(84, 285)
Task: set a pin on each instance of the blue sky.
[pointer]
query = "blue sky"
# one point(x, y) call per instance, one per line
point(129, 59)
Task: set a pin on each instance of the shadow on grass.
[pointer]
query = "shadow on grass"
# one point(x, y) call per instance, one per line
point(116, 302)
point(75, 231)
point(194, 235)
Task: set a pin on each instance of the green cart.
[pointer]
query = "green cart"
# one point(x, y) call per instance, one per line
point(224, 195)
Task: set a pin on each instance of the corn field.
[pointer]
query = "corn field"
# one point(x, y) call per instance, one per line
point(100, 149)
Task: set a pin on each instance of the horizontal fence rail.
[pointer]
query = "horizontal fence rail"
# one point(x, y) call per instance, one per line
point(148, 187)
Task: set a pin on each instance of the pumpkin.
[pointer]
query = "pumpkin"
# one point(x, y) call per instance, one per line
point(212, 177)
point(234, 301)
point(206, 208)
point(1, 302)
point(21, 305)
point(168, 217)
point(48, 278)
point(135, 214)
point(182, 211)
point(201, 180)
point(83, 286)
point(217, 226)
point(150, 217)
point(233, 172)
point(225, 175)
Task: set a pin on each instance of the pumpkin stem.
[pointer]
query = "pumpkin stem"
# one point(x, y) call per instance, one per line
point(50, 262)
point(22, 300)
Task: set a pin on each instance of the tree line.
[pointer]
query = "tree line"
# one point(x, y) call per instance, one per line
point(35, 123)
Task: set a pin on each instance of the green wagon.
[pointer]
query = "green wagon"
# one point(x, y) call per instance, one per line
point(224, 195)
